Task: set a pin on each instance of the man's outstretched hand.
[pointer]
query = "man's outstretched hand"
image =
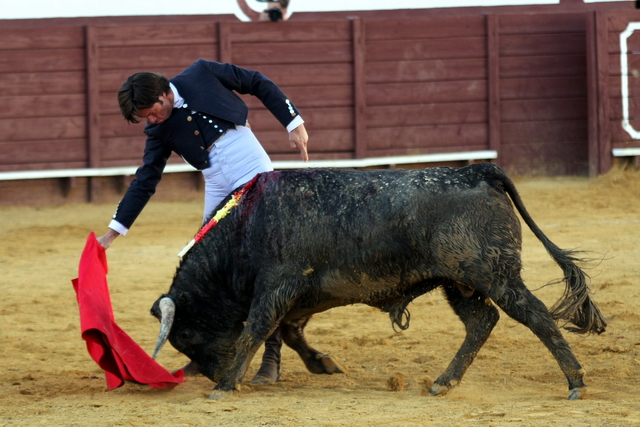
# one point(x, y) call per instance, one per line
point(298, 139)
point(106, 239)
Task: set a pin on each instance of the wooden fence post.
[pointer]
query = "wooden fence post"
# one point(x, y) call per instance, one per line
point(602, 145)
point(493, 84)
point(93, 110)
point(359, 88)
point(593, 124)
point(224, 42)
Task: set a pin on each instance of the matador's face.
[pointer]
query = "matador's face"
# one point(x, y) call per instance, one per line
point(160, 111)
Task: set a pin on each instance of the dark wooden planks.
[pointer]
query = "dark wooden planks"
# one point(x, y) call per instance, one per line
point(304, 74)
point(426, 70)
point(429, 138)
point(602, 147)
point(321, 140)
point(292, 53)
point(404, 84)
point(543, 93)
point(542, 44)
point(66, 104)
point(318, 118)
point(42, 124)
point(259, 33)
point(431, 114)
point(620, 137)
point(426, 92)
point(309, 96)
point(42, 60)
point(521, 110)
point(45, 129)
point(547, 65)
point(554, 144)
point(157, 35)
point(615, 23)
point(49, 38)
point(543, 88)
point(542, 23)
point(64, 150)
point(398, 50)
point(426, 85)
point(114, 125)
point(380, 83)
point(154, 58)
point(425, 28)
point(494, 104)
point(615, 105)
point(37, 83)
point(537, 159)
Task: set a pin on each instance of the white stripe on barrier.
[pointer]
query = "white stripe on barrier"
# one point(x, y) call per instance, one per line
point(285, 164)
point(624, 152)
point(624, 68)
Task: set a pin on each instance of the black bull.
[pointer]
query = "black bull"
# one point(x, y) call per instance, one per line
point(302, 242)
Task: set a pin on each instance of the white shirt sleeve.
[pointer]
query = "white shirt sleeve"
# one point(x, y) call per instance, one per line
point(297, 121)
point(116, 226)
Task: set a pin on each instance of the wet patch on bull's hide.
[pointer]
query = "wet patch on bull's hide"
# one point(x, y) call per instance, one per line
point(358, 286)
point(455, 247)
point(482, 242)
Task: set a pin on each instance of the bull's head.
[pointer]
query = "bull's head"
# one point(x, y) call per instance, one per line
point(196, 330)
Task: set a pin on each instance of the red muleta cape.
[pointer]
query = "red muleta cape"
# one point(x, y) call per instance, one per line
point(112, 349)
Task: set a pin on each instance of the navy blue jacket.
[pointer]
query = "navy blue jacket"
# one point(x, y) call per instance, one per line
point(206, 87)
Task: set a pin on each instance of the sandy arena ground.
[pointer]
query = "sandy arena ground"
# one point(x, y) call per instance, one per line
point(48, 378)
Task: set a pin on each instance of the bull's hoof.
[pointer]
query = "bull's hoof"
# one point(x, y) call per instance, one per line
point(331, 364)
point(577, 393)
point(219, 395)
point(439, 389)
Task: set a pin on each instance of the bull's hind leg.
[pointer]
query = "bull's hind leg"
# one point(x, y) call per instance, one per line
point(315, 361)
point(520, 304)
point(479, 317)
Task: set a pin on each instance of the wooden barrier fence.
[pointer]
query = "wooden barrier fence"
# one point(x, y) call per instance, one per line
point(537, 93)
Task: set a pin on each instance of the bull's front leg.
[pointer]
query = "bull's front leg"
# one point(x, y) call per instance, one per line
point(246, 348)
point(264, 316)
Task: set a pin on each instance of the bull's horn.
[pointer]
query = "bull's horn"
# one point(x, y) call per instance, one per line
point(168, 311)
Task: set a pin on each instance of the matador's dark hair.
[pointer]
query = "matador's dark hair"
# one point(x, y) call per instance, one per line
point(139, 92)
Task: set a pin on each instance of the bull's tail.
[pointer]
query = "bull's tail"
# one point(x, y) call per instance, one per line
point(575, 305)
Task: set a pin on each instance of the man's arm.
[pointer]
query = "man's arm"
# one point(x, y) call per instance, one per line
point(252, 82)
point(139, 192)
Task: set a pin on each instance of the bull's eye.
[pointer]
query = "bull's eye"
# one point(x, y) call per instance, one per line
point(186, 334)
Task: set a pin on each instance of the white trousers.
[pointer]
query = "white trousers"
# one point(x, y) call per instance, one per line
point(234, 160)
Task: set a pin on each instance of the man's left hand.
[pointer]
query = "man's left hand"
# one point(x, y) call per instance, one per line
point(298, 139)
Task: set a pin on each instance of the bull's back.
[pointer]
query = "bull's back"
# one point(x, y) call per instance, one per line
point(359, 234)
